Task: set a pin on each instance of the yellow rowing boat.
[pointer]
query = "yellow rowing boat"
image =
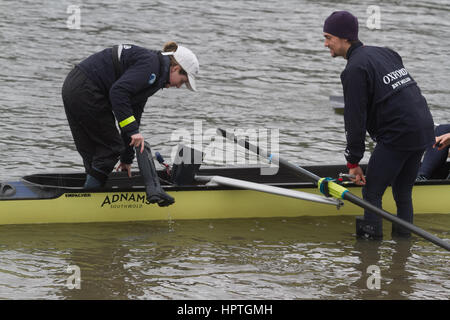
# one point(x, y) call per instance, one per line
point(60, 198)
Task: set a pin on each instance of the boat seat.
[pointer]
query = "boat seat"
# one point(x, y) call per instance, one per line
point(7, 190)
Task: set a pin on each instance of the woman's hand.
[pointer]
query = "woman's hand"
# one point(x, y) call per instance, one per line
point(137, 140)
point(359, 175)
point(124, 167)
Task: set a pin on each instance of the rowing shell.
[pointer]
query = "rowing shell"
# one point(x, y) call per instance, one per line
point(60, 198)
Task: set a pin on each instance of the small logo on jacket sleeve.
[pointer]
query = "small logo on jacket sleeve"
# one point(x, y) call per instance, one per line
point(152, 79)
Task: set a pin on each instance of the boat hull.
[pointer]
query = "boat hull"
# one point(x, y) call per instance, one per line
point(203, 203)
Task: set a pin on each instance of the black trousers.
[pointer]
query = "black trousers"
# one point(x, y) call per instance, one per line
point(396, 168)
point(92, 123)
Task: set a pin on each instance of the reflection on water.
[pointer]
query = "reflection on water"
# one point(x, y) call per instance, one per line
point(302, 258)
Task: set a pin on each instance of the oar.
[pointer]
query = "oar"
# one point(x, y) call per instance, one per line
point(268, 189)
point(329, 187)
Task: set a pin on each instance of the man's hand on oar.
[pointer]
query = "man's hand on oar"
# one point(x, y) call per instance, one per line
point(359, 176)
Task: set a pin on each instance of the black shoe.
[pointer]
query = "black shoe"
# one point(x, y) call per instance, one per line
point(368, 230)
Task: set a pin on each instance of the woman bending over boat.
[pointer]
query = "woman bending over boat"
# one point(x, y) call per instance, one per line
point(112, 86)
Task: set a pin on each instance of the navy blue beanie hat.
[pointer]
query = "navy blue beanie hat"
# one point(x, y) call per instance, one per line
point(342, 24)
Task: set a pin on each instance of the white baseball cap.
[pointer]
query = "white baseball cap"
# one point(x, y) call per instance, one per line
point(188, 61)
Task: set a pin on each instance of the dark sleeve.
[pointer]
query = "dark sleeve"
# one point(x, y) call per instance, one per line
point(127, 155)
point(135, 79)
point(356, 93)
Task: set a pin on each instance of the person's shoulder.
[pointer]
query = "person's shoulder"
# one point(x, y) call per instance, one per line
point(371, 56)
point(359, 55)
point(358, 59)
point(365, 53)
point(135, 50)
point(353, 70)
point(376, 50)
point(140, 55)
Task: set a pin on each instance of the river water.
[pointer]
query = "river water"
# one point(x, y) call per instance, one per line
point(263, 65)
